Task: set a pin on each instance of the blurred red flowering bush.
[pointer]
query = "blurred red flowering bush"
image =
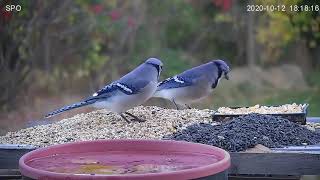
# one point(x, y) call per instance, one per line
point(224, 4)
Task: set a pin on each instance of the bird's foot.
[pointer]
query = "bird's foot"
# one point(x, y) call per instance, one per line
point(177, 107)
point(125, 118)
point(138, 120)
point(135, 118)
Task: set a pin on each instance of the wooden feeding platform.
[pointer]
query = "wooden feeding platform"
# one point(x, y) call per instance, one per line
point(279, 163)
point(284, 163)
point(289, 164)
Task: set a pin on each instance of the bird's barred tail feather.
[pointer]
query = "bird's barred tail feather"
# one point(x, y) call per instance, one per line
point(69, 107)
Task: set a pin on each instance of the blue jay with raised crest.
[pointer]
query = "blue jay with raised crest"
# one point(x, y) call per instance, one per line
point(129, 91)
point(194, 84)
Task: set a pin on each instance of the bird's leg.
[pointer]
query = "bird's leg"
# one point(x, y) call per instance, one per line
point(189, 107)
point(175, 104)
point(135, 117)
point(124, 117)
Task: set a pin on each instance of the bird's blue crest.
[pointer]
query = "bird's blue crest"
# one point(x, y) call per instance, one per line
point(222, 65)
point(154, 61)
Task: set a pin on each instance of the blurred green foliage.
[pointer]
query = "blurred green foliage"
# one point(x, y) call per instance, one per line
point(99, 40)
point(285, 27)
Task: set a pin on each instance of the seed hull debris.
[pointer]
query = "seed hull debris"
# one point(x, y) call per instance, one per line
point(247, 131)
point(283, 109)
point(103, 124)
point(189, 125)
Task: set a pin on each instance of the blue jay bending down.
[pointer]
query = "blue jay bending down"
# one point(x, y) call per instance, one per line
point(194, 84)
point(131, 90)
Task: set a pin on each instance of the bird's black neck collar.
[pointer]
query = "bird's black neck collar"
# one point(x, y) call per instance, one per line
point(214, 85)
point(157, 67)
point(219, 72)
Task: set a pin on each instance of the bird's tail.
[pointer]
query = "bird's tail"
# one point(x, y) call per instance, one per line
point(69, 107)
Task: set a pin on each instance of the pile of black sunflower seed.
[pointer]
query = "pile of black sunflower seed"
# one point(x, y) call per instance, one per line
point(246, 131)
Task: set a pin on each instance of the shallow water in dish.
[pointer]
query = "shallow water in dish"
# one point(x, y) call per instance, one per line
point(120, 162)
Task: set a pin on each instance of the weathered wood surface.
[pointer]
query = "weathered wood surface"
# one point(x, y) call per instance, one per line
point(256, 177)
point(311, 149)
point(10, 155)
point(15, 174)
point(275, 163)
point(295, 161)
point(242, 163)
point(313, 119)
point(6, 174)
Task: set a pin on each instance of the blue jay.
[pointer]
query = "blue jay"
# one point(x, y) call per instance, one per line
point(194, 84)
point(131, 90)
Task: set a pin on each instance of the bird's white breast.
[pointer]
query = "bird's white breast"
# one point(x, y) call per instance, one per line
point(185, 95)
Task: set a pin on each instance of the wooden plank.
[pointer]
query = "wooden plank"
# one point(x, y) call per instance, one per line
point(311, 149)
point(281, 163)
point(10, 174)
point(275, 163)
point(313, 119)
point(16, 146)
point(11, 153)
point(257, 177)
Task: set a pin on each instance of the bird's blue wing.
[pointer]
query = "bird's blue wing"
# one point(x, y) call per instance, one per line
point(175, 82)
point(135, 86)
point(107, 89)
point(128, 88)
point(187, 78)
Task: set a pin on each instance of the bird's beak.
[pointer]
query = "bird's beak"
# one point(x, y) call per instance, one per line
point(226, 76)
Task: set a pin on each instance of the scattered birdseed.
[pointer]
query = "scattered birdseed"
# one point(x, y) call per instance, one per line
point(286, 108)
point(313, 126)
point(103, 124)
point(246, 131)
